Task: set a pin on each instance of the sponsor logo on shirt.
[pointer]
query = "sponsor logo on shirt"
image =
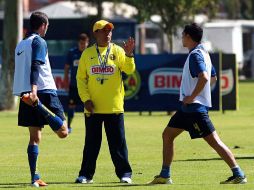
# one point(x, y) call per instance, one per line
point(107, 70)
point(112, 57)
point(19, 53)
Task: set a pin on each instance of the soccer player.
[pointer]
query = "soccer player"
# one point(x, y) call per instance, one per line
point(195, 95)
point(71, 85)
point(34, 83)
point(101, 88)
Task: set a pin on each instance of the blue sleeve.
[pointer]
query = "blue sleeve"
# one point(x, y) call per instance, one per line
point(196, 64)
point(213, 72)
point(34, 72)
point(39, 50)
point(69, 58)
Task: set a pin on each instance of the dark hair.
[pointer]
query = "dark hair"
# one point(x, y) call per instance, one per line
point(83, 37)
point(37, 19)
point(194, 30)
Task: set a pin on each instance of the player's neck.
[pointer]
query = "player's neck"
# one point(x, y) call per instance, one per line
point(192, 46)
point(103, 44)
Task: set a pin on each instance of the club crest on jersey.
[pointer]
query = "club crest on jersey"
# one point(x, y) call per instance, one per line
point(98, 69)
point(75, 62)
point(112, 57)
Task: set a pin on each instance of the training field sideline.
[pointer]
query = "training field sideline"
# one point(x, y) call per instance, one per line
point(196, 165)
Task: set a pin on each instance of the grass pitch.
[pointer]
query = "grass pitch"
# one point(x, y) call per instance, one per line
point(196, 166)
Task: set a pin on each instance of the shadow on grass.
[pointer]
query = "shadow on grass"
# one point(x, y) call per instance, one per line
point(72, 185)
point(247, 81)
point(25, 185)
point(13, 185)
point(110, 185)
point(207, 159)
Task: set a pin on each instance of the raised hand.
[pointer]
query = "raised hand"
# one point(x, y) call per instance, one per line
point(129, 46)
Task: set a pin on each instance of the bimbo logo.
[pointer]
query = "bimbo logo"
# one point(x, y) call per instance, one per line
point(227, 81)
point(107, 70)
point(165, 81)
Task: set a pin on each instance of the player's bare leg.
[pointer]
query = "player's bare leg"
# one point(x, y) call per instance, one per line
point(225, 153)
point(63, 131)
point(169, 134)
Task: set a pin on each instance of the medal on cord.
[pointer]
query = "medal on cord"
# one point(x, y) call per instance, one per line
point(103, 63)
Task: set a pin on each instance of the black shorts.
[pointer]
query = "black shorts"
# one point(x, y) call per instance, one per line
point(74, 98)
point(197, 124)
point(29, 116)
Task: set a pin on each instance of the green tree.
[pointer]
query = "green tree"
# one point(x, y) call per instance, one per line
point(98, 4)
point(231, 8)
point(238, 9)
point(252, 9)
point(246, 9)
point(12, 27)
point(174, 13)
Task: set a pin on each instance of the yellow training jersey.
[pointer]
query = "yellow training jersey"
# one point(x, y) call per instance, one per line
point(102, 83)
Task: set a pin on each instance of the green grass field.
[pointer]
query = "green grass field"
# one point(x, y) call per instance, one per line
point(196, 165)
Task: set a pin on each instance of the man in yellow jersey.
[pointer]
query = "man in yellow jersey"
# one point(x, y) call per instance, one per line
point(100, 87)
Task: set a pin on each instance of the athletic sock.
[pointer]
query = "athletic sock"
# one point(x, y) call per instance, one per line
point(165, 171)
point(32, 152)
point(54, 121)
point(70, 116)
point(237, 171)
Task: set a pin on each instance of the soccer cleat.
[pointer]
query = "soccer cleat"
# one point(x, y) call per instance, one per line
point(83, 179)
point(39, 183)
point(161, 180)
point(126, 180)
point(235, 180)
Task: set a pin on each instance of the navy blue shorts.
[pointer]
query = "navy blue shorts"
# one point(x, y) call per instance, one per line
point(197, 124)
point(29, 116)
point(74, 98)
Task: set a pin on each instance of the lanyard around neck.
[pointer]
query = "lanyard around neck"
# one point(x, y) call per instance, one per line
point(103, 63)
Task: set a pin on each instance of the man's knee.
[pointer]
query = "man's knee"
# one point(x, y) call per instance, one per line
point(35, 135)
point(166, 135)
point(63, 131)
point(169, 134)
point(35, 140)
point(62, 134)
